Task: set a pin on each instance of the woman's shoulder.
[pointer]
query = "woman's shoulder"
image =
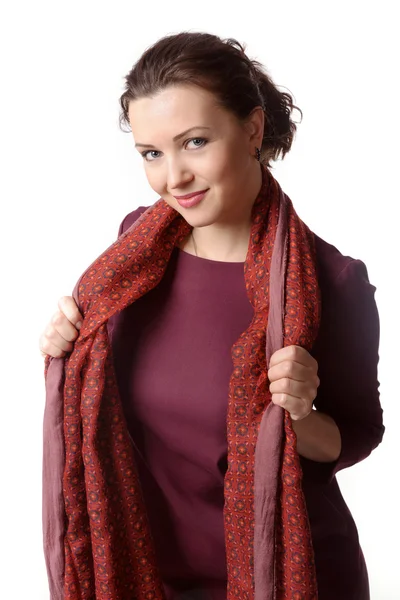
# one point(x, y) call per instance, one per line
point(131, 218)
point(335, 268)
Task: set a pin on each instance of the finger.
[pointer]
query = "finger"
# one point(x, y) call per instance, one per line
point(295, 353)
point(69, 308)
point(52, 340)
point(297, 408)
point(54, 352)
point(61, 325)
point(49, 348)
point(292, 370)
point(298, 389)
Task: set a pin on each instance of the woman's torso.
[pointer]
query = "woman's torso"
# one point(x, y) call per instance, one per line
point(172, 358)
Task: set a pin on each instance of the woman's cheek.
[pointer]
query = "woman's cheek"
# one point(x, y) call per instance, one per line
point(155, 179)
point(214, 165)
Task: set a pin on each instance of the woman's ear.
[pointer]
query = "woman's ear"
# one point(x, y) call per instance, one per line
point(255, 127)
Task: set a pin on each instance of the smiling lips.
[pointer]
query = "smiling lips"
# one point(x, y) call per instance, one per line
point(186, 196)
point(192, 199)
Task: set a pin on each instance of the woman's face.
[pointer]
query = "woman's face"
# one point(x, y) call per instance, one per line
point(189, 144)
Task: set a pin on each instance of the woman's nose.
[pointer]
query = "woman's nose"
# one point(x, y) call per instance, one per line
point(178, 175)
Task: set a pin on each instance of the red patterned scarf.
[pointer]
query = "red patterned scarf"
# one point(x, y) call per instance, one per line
point(97, 538)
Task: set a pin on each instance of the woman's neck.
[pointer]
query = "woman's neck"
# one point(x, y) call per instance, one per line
point(238, 254)
point(226, 242)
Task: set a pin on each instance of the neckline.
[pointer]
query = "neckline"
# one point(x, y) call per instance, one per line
point(208, 260)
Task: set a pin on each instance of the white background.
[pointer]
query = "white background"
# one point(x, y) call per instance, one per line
point(69, 176)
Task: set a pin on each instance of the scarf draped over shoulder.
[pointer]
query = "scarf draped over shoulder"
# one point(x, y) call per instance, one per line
point(96, 535)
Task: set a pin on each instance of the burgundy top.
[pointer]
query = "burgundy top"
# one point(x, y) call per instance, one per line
point(173, 364)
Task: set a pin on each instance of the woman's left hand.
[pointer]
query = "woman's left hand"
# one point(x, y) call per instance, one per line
point(294, 380)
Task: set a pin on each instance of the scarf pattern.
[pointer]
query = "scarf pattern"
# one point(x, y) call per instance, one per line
point(107, 543)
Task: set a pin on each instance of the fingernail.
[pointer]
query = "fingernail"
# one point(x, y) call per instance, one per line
point(79, 324)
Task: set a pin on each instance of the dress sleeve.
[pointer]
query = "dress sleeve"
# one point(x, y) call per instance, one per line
point(347, 354)
point(122, 227)
point(130, 219)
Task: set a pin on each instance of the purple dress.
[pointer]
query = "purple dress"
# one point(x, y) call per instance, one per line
point(171, 351)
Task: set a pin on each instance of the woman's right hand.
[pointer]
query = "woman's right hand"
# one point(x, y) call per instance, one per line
point(63, 329)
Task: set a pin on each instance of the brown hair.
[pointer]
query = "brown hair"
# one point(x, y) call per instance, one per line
point(221, 67)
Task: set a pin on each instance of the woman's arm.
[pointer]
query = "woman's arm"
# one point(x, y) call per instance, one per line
point(347, 351)
point(318, 437)
point(294, 382)
point(339, 377)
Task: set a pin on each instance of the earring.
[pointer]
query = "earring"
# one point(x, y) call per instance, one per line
point(258, 154)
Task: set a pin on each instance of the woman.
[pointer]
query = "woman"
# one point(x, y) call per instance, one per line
point(207, 121)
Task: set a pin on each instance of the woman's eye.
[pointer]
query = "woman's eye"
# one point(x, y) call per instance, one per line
point(198, 142)
point(150, 155)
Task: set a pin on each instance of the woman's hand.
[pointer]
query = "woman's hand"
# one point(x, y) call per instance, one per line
point(58, 337)
point(294, 380)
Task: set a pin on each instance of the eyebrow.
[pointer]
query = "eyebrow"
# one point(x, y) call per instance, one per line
point(176, 138)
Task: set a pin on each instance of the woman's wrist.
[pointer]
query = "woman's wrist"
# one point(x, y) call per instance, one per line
point(318, 437)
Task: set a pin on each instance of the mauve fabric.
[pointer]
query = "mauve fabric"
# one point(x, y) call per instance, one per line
point(171, 352)
point(53, 437)
point(272, 422)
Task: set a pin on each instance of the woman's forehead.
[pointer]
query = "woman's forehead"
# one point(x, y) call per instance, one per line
point(173, 100)
point(173, 111)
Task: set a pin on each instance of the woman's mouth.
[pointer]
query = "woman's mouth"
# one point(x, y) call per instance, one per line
point(190, 200)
